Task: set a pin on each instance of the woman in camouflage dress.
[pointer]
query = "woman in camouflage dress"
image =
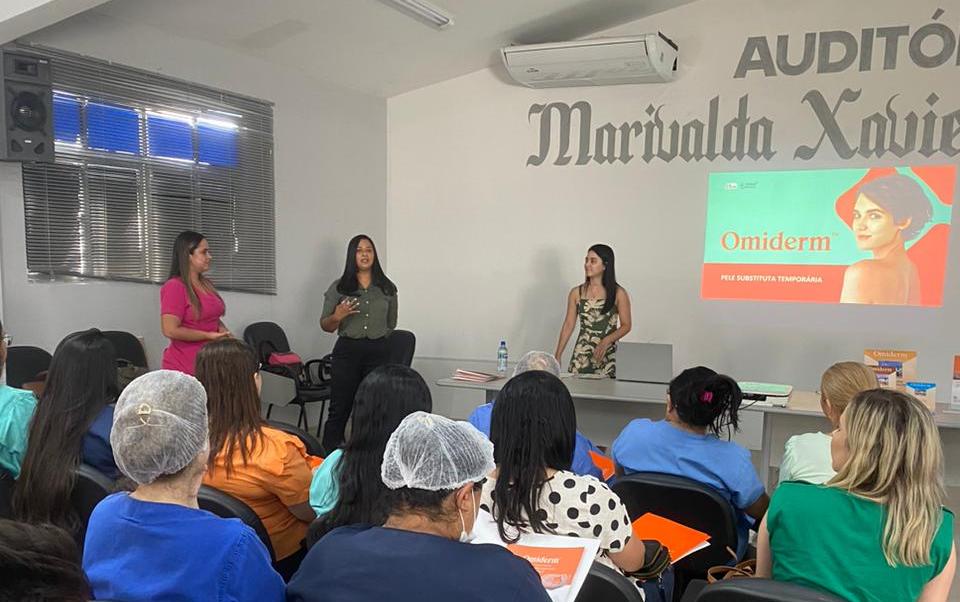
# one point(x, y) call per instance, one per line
point(603, 308)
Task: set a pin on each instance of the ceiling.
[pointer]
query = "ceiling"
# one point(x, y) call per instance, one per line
point(374, 48)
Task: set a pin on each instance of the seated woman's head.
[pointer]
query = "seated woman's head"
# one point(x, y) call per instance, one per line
point(40, 562)
point(889, 206)
point(229, 371)
point(840, 383)
point(537, 360)
point(159, 431)
point(887, 449)
point(435, 468)
point(533, 429)
point(703, 399)
point(384, 398)
point(81, 381)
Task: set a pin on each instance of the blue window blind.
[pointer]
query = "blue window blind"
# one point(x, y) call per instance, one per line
point(66, 118)
point(170, 138)
point(141, 157)
point(112, 128)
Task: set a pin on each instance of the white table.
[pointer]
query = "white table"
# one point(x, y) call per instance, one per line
point(801, 404)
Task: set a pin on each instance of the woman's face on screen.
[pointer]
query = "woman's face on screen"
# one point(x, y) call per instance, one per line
point(592, 265)
point(873, 226)
point(365, 255)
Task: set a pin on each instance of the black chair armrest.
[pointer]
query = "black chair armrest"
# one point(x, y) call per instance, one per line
point(281, 370)
point(323, 365)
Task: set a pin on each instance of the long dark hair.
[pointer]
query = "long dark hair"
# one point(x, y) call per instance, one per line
point(385, 397)
point(533, 428)
point(40, 562)
point(348, 281)
point(225, 368)
point(81, 381)
point(704, 398)
point(609, 277)
point(184, 246)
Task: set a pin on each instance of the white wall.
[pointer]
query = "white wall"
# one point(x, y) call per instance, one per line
point(484, 246)
point(330, 166)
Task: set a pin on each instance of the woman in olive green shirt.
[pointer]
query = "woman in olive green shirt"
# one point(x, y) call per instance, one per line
point(361, 306)
point(877, 531)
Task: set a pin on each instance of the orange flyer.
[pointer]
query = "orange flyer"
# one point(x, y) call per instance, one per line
point(604, 463)
point(556, 566)
point(679, 539)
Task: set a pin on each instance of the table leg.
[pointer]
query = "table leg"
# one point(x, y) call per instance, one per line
point(767, 443)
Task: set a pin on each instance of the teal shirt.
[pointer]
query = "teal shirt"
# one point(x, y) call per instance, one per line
point(16, 410)
point(325, 488)
point(824, 538)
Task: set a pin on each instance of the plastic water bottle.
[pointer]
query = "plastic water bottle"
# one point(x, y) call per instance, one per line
point(502, 358)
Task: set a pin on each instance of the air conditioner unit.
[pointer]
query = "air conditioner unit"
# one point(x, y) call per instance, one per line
point(648, 58)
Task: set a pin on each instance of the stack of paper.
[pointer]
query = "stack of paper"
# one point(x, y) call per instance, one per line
point(679, 539)
point(473, 377)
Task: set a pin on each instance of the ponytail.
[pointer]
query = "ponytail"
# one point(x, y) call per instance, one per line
point(703, 398)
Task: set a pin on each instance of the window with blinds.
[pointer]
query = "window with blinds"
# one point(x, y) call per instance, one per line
point(141, 157)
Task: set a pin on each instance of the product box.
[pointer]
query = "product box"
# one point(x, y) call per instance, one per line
point(955, 400)
point(905, 362)
point(925, 392)
point(886, 376)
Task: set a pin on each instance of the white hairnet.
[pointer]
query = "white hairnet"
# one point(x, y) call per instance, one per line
point(434, 453)
point(159, 425)
point(537, 360)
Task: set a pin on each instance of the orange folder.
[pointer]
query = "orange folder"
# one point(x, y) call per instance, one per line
point(604, 463)
point(679, 539)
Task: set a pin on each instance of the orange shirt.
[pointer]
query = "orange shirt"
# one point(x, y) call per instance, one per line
point(277, 475)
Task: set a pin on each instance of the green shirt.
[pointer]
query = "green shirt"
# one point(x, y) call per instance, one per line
point(16, 411)
point(827, 539)
point(377, 317)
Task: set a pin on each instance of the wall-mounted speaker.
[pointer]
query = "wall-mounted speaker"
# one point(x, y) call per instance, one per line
point(27, 116)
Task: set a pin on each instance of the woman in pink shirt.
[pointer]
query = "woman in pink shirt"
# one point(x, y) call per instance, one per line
point(190, 307)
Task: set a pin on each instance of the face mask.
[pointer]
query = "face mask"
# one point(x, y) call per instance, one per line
point(464, 536)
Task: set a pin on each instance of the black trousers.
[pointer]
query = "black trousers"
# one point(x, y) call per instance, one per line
point(353, 359)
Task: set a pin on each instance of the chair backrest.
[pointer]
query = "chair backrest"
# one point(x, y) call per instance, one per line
point(90, 487)
point(686, 501)
point(225, 505)
point(25, 363)
point(760, 590)
point(401, 345)
point(604, 584)
point(266, 338)
point(127, 346)
point(313, 445)
point(6, 494)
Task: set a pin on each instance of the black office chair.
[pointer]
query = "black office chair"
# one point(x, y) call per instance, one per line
point(401, 344)
point(26, 364)
point(225, 505)
point(313, 445)
point(690, 503)
point(311, 380)
point(761, 590)
point(603, 584)
point(6, 493)
point(127, 346)
point(90, 487)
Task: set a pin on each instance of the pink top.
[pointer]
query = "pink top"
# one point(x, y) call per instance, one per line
point(174, 301)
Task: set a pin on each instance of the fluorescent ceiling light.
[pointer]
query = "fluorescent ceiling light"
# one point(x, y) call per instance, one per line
point(433, 15)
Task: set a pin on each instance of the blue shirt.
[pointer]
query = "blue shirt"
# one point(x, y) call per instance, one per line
point(582, 463)
point(96, 450)
point(361, 564)
point(647, 446)
point(325, 485)
point(137, 550)
point(16, 410)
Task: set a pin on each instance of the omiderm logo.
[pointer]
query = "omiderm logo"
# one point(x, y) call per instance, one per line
point(731, 241)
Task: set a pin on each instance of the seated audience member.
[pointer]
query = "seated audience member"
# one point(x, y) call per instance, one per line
point(806, 457)
point(700, 404)
point(533, 489)
point(435, 469)
point(541, 360)
point(16, 410)
point(154, 543)
point(264, 467)
point(346, 488)
point(70, 426)
point(40, 563)
point(877, 530)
